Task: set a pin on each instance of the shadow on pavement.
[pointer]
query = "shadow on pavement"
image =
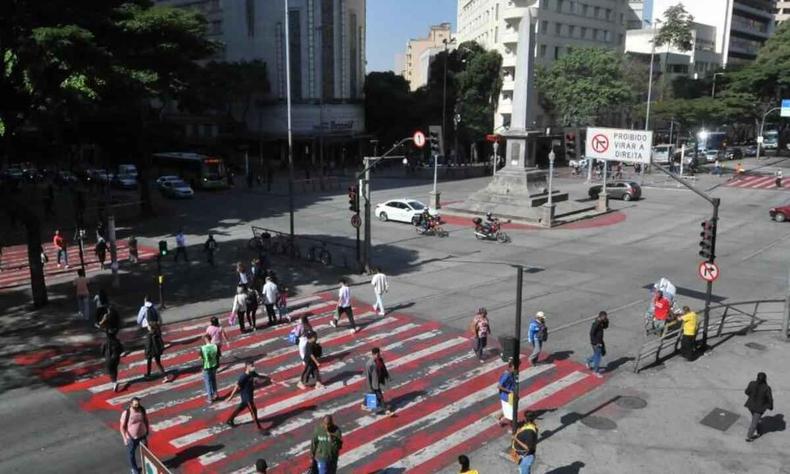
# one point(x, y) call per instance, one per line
point(571, 418)
point(572, 468)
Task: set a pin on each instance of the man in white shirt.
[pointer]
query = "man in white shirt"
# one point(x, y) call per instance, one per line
point(380, 286)
point(269, 293)
point(181, 245)
point(344, 306)
point(147, 310)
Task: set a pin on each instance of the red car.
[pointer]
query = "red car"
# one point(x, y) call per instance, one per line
point(780, 214)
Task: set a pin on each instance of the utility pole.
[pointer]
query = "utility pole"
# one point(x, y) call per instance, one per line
point(517, 345)
point(287, 44)
point(786, 321)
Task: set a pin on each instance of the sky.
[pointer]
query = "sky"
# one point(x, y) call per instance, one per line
point(391, 23)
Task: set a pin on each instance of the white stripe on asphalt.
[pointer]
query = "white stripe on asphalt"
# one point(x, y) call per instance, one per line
point(168, 404)
point(307, 396)
point(449, 442)
point(164, 387)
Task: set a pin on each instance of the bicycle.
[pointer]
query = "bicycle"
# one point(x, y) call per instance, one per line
point(260, 242)
point(319, 253)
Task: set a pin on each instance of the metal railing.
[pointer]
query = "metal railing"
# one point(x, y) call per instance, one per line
point(726, 320)
point(303, 247)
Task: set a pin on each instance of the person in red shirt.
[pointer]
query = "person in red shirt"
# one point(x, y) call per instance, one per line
point(661, 307)
point(60, 246)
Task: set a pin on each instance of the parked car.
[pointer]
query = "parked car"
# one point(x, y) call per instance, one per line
point(401, 210)
point(625, 190)
point(128, 170)
point(750, 150)
point(176, 189)
point(780, 213)
point(733, 153)
point(124, 181)
point(161, 180)
point(66, 178)
point(711, 155)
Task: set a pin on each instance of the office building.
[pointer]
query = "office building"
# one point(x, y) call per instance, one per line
point(781, 11)
point(559, 26)
point(327, 56)
point(419, 53)
point(702, 60)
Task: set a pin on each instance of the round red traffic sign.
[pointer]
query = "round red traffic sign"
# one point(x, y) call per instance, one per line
point(600, 143)
point(708, 271)
point(356, 221)
point(419, 139)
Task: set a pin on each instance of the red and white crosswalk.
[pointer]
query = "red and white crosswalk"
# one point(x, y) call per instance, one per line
point(16, 272)
point(443, 396)
point(755, 181)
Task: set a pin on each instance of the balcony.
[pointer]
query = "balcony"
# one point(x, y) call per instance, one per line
point(505, 107)
point(514, 10)
point(509, 60)
point(510, 37)
point(508, 84)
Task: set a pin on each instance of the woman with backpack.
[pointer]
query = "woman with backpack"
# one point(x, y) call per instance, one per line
point(239, 309)
point(537, 334)
point(134, 430)
point(252, 302)
point(480, 329)
point(311, 364)
point(154, 347)
point(300, 332)
point(112, 350)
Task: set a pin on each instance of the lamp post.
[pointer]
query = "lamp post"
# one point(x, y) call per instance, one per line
point(762, 126)
point(650, 79)
point(548, 208)
point(287, 44)
point(713, 89)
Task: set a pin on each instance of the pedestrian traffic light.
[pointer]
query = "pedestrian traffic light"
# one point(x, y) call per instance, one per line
point(162, 248)
point(353, 199)
point(570, 146)
point(707, 243)
point(435, 139)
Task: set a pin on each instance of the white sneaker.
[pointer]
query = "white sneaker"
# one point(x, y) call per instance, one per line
point(333, 323)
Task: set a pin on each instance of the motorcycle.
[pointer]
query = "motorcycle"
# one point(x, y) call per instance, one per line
point(431, 227)
point(492, 231)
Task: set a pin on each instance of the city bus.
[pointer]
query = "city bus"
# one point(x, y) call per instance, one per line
point(200, 171)
point(710, 141)
point(770, 140)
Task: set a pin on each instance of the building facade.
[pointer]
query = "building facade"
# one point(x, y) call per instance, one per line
point(702, 60)
point(781, 11)
point(420, 51)
point(327, 57)
point(560, 25)
point(742, 26)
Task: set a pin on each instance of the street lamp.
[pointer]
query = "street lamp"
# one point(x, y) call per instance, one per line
point(713, 89)
point(762, 126)
point(650, 79)
point(548, 208)
point(552, 156)
point(290, 134)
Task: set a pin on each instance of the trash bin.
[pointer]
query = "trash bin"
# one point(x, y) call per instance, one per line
point(508, 345)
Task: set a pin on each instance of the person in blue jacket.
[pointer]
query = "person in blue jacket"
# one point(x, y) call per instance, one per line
point(537, 335)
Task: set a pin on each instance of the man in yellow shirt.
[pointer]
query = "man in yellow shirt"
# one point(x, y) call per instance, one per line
point(688, 340)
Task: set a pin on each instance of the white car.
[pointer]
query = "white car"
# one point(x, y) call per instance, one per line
point(401, 210)
point(161, 180)
point(177, 189)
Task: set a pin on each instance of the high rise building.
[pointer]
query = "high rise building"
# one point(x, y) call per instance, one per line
point(327, 56)
point(781, 11)
point(559, 26)
point(420, 51)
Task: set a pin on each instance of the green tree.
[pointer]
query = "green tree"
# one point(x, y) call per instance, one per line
point(676, 29)
point(478, 90)
point(584, 86)
point(389, 106)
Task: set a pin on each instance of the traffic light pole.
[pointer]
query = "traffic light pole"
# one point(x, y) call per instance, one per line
point(517, 345)
point(160, 279)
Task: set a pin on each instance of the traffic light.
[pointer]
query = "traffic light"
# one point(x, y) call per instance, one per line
point(353, 199)
point(570, 146)
point(162, 248)
point(435, 139)
point(707, 243)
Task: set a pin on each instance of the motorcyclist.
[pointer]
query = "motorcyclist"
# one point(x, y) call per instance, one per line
point(489, 224)
point(424, 219)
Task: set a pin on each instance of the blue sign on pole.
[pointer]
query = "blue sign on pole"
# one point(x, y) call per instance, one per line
point(785, 112)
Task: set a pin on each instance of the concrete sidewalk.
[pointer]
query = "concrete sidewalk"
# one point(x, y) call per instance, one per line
point(651, 422)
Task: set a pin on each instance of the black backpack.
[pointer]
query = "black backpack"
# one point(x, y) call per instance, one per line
point(251, 299)
point(543, 333)
point(318, 351)
point(152, 315)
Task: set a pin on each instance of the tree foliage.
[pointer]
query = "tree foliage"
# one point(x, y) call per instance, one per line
point(676, 29)
point(583, 85)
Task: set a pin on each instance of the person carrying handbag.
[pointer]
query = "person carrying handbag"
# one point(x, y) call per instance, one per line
point(524, 444)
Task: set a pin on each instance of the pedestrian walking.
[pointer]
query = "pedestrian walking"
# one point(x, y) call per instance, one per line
point(525, 442)
point(239, 309)
point(269, 296)
point(326, 445)
point(301, 331)
point(101, 252)
point(739, 171)
point(112, 349)
point(377, 376)
point(312, 354)
point(133, 255)
point(209, 356)
point(344, 306)
point(380, 286)
point(154, 347)
point(661, 307)
point(463, 460)
point(148, 314)
point(134, 430)
point(717, 167)
point(83, 295)
point(282, 304)
point(244, 278)
point(480, 329)
point(689, 338)
point(181, 245)
point(210, 247)
point(596, 340)
point(537, 334)
point(62, 249)
point(107, 317)
point(261, 467)
point(245, 386)
point(253, 300)
point(218, 336)
point(760, 399)
point(506, 387)
point(778, 179)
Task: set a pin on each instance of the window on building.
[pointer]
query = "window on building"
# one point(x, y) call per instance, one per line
point(595, 34)
point(559, 6)
point(583, 33)
point(620, 38)
point(556, 52)
point(622, 19)
point(571, 7)
point(607, 36)
point(608, 14)
point(496, 34)
point(558, 29)
point(543, 51)
point(597, 12)
point(496, 13)
point(544, 26)
point(585, 9)
point(571, 31)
